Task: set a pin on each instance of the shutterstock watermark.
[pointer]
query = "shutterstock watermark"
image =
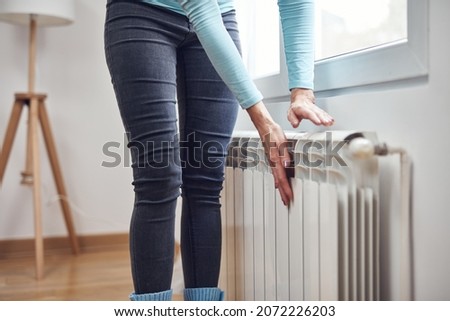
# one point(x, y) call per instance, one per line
point(308, 153)
point(160, 154)
point(213, 154)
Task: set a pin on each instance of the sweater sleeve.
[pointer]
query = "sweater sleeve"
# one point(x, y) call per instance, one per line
point(207, 22)
point(297, 20)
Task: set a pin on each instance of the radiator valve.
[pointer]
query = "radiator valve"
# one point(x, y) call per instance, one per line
point(363, 148)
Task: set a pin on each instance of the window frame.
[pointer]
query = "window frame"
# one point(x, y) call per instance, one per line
point(374, 67)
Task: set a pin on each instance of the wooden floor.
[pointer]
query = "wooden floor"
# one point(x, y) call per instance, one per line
point(97, 275)
point(100, 273)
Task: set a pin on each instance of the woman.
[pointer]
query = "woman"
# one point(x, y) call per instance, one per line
point(163, 53)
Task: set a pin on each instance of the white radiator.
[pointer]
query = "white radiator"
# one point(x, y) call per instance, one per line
point(325, 246)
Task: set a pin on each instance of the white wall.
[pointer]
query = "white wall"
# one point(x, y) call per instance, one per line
point(82, 108)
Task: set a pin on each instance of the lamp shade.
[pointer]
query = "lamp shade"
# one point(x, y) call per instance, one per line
point(45, 12)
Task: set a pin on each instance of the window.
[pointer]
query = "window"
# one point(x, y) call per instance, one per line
point(350, 25)
point(359, 43)
point(260, 35)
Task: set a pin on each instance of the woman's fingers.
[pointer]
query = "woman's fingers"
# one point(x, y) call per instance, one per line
point(293, 119)
point(303, 106)
point(315, 114)
point(284, 186)
point(277, 151)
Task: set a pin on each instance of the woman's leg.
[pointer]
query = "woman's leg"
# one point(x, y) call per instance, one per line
point(208, 113)
point(142, 62)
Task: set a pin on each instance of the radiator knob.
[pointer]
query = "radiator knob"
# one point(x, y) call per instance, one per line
point(361, 148)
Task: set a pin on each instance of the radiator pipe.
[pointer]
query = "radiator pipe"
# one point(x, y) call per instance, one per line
point(362, 148)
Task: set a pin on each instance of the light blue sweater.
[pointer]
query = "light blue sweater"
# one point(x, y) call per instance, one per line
point(297, 25)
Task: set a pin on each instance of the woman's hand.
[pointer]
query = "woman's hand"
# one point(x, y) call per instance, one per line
point(275, 145)
point(303, 106)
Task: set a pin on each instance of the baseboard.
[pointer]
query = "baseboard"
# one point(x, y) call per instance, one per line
point(88, 243)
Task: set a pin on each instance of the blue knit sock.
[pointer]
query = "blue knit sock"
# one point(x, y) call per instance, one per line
point(203, 294)
point(158, 296)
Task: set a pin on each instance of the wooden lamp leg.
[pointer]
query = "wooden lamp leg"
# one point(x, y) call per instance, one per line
point(57, 174)
point(39, 242)
point(9, 136)
point(27, 174)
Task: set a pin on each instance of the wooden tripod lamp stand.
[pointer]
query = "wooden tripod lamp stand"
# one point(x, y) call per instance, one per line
point(36, 13)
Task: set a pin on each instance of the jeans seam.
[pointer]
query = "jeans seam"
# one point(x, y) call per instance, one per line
point(186, 197)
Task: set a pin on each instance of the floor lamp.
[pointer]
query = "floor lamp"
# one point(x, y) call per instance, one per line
point(34, 13)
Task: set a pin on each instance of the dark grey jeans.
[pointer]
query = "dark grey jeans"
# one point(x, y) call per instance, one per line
point(156, 61)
